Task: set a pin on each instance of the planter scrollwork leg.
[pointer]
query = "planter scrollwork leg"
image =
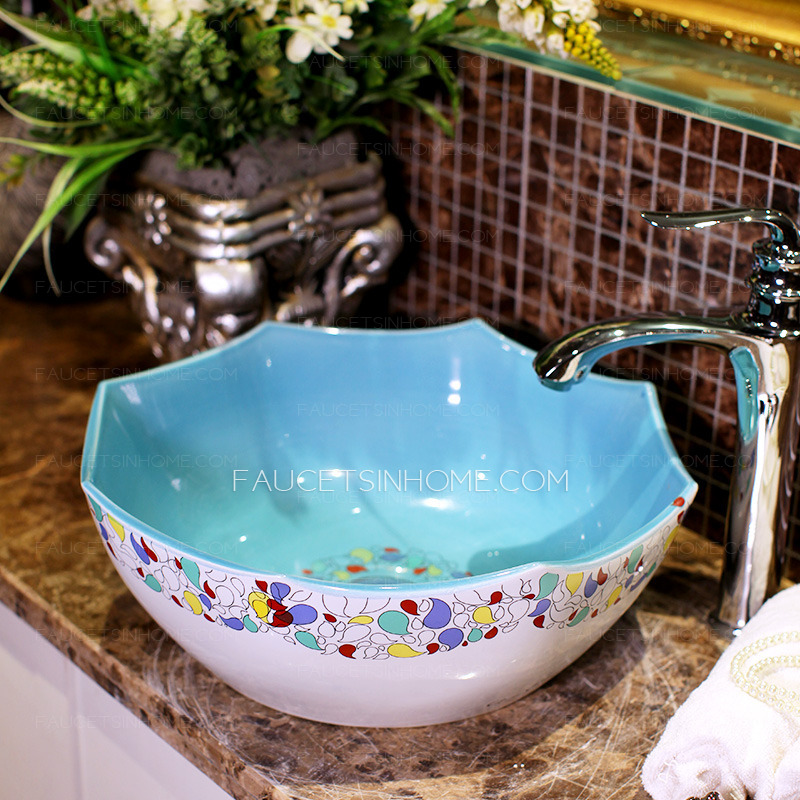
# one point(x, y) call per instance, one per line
point(201, 271)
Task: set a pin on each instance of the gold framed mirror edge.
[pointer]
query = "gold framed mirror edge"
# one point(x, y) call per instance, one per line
point(769, 28)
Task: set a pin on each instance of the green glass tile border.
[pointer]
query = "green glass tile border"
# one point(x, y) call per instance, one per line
point(738, 90)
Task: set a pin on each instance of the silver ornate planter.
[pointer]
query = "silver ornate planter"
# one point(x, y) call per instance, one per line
point(203, 270)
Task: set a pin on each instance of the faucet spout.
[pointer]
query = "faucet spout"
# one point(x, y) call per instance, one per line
point(569, 360)
point(766, 370)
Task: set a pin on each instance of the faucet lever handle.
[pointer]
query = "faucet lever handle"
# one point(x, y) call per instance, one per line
point(783, 229)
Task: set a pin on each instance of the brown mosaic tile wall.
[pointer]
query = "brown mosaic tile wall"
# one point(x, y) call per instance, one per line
point(530, 219)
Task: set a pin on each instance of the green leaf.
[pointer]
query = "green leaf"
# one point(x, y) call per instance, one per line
point(339, 81)
point(43, 123)
point(374, 74)
point(44, 34)
point(91, 29)
point(13, 170)
point(76, 214)
point(426, 107)
point(57, 187)
point(445, 72)
point(47, 238)
point(60, 184)
point(92, 150)
point(431, 28)
point(79, 181)
point(326, 128)
point(80, 209)
point(66, 46)
point(106, 63)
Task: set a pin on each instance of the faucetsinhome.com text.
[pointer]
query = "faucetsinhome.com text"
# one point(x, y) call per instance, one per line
point(385, 480)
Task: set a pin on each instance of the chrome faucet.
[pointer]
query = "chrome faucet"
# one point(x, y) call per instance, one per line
point(762, 342)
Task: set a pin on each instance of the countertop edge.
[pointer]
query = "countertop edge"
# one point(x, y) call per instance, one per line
point(169, 723)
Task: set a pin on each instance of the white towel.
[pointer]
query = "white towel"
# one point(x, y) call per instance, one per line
point(727, 740)
point(787, 778)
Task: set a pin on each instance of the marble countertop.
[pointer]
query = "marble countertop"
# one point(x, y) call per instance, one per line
point(582, 736)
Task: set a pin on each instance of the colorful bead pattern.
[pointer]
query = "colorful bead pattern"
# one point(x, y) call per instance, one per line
point(385, 565)
point(380, 627)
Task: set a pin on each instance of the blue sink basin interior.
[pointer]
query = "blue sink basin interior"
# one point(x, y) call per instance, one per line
point(380, 457)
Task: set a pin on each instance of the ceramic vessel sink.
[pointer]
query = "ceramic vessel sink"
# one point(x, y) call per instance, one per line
point(380, 528)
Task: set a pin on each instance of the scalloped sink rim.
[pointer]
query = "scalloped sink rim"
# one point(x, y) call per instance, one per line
point(382, 655)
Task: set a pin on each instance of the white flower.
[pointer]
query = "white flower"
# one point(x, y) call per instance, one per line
point(266, 9)
point(554, 43)
point(157, 15)
point(476, 3)
point(351, 6)
point(105, 8)
point(509, 16)
point(426, 9)
point(579, 10)
point(561, 19)
point(518, 16)
point(319, 31)
point(301, 42)
point(532, 21)
point(160, 14)
point(329, 21)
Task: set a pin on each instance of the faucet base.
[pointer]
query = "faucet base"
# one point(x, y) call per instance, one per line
point(722, 629)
